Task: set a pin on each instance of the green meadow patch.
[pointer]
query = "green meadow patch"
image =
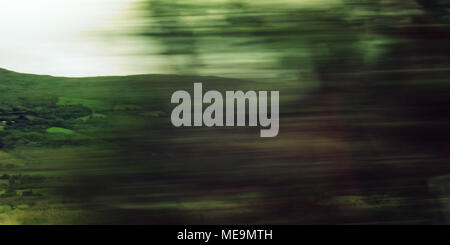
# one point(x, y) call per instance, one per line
point(57, 130)
point(92, 116)
point(93, 104)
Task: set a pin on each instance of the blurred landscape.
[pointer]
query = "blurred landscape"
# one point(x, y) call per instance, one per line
point(364, 120)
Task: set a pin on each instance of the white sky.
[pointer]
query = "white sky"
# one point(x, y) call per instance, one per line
point(57, 37)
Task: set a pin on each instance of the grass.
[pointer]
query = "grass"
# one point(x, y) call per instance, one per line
point(57, 130)
point(92, 116)
point(90, 103)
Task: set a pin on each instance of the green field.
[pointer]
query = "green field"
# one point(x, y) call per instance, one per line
point(75, 149)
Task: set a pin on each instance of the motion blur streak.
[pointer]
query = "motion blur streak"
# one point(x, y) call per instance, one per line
point(364, 116)
point(364, 128)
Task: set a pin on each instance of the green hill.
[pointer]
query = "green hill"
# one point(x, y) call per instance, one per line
point(73, 140)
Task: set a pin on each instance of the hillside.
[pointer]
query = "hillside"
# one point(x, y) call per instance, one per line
point(55, 131)
point(102, 150)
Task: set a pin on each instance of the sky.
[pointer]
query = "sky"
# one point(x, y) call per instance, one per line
point(66, 38)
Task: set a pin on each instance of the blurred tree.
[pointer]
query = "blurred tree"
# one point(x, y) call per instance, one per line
point(439, 8)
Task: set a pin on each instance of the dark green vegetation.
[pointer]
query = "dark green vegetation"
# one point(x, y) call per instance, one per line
point(102, 150)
